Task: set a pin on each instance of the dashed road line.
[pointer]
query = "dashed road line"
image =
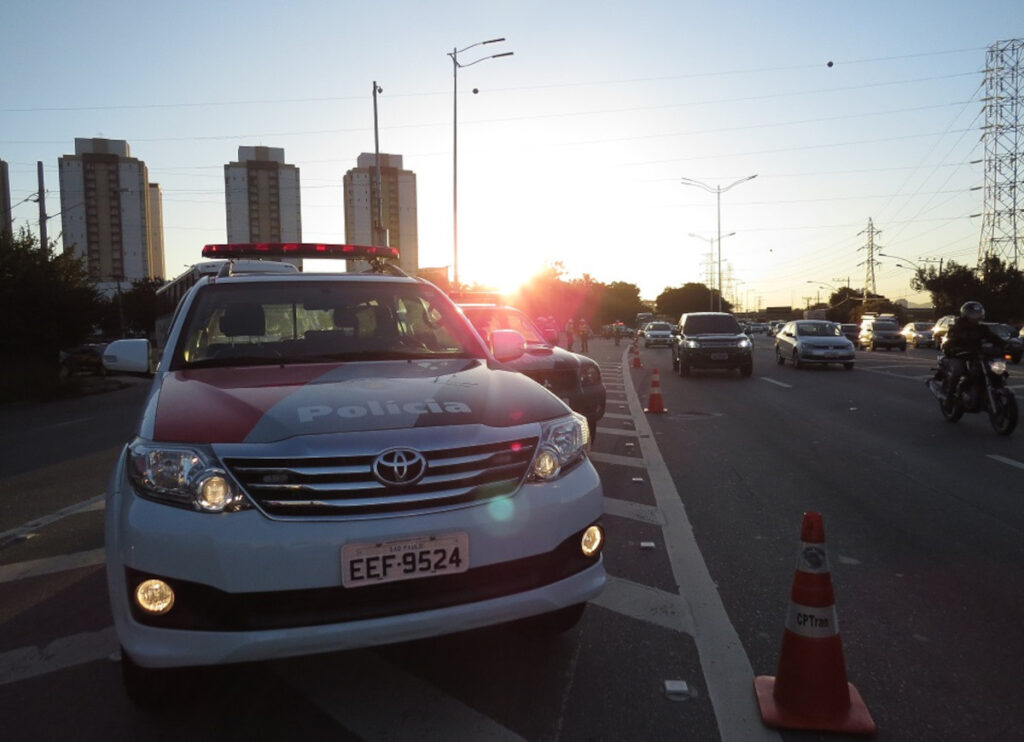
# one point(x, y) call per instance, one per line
point(1004, 460)
point(616, 431)
point(633, 510)
point(617, 416)
point(646, 604)
point(13, 534)
point(611, 458)
point(348, 690)
point(776, 383)
point(68, 651)
point(51, 565)
point(723, 660)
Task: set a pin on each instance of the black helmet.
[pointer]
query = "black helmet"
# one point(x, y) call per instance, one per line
point(972, 310)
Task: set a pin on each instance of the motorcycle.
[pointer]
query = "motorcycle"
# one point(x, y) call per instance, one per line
point(981, 388)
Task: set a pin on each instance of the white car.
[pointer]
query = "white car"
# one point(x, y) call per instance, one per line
point(918, 334)
point(806, 342)
point(334, 461)
point(658, 333)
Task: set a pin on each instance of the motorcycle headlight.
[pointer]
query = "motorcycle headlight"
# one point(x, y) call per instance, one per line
point(590, 375)
point(185, 477)
point(998, 367)
point(692, 344)
point(563, 442)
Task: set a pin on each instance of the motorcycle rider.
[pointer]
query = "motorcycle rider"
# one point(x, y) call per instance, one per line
point(965, 337)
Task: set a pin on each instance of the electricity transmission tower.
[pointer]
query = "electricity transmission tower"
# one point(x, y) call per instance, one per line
point(1003, 223)
point(869, 263)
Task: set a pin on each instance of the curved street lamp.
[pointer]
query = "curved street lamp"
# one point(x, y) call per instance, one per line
point(456, 65)
point(718, 191)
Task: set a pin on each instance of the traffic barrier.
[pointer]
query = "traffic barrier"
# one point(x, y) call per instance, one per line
point(810, 690)
point(655, 403)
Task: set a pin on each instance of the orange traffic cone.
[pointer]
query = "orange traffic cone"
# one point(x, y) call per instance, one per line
point(636, 356)
point(810, 690)
point(655, 404)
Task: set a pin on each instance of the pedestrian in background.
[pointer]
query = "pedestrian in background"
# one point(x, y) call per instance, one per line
point(583, 330)
point(569, 331)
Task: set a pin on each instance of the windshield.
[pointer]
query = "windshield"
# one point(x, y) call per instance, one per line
point(660, 327)
point(884, 327)
point(707, 324)
point(818, 329)
point(488, 319)
point(301, 322)
point(851, 328)
point(923, 326)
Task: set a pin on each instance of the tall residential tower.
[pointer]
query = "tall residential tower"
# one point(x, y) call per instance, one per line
point(262, 195)
point(104, 195)
point(398, 206)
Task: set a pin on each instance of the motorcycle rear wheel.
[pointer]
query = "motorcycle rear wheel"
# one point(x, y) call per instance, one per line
point(1004, 420)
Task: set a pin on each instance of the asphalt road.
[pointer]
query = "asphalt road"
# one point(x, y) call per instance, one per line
point(924, 533)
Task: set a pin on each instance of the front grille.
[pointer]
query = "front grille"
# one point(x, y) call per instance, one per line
point(724, 343)
point(560, 382)
point(346, 485)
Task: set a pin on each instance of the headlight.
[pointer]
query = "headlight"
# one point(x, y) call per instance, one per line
point(692, 344)
point(185, 477)
point(998, 367)
point(744, 343)
point(562, 443)
point(590, 375)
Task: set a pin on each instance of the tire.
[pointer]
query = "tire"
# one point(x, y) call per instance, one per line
point(550, 625)
point(951, 410)
point(848, 366)
point(903, 348)
point(872, 348)
point(778, 358)
point(1005, 422)
point(747, 370)
point(592, 426)
point(796, 361)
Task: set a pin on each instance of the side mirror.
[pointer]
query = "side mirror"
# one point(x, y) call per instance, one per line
point(128, 356)
point(507, 345)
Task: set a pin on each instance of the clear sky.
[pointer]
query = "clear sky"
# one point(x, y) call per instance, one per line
point(574, 147)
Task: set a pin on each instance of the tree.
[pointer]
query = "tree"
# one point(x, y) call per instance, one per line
point(998, 286)
point(690, 297)
point(843, 304)
point(619, 302)
point(49, 303)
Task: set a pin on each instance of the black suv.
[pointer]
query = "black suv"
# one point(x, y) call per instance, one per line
point(711, 340)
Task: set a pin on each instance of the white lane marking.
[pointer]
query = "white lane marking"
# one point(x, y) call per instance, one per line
point(617, 416)
point(60, 654)
point(611, 458)
point(723, 660)
point(776, 383)
point(1004, 460)
point(914, 377)
point(633, 511)
point(51, 565)
point(348, 686)
point(33, 525)
point(616, 431)
point(646, 604)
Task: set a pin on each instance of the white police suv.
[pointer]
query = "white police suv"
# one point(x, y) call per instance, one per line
point(331, 461)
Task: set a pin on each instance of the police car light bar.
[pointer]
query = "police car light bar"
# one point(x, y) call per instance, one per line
point(299, 250)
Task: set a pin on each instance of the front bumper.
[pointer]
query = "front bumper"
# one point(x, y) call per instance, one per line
point(716, 357)
point(828, 356)
point(252, 588)
point(666, 341)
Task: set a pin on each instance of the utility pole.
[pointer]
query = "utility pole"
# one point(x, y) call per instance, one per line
point(870, 263)
point(42, 205)
point(380, 234)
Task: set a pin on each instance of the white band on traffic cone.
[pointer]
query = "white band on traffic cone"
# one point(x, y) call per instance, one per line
point(812, 622)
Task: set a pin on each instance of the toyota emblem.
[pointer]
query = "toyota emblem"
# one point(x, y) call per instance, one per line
point(399, 466)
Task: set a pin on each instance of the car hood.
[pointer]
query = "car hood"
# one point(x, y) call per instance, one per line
point(270, 403)
point(817, 341)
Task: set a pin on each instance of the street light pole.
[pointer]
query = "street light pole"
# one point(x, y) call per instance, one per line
point(718, 191)
point(454, 54)
point(380, 234)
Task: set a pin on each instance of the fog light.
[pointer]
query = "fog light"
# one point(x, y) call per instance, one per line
point(154, 596)
point(591, 541)
point(546, 464)
point(213, 493)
